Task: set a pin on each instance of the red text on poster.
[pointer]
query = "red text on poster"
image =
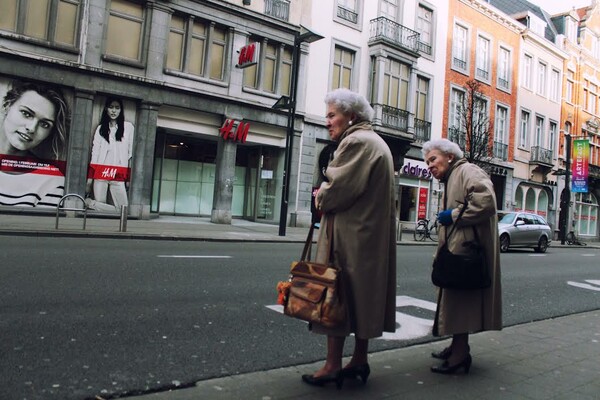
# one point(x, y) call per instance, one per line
point(422, 206)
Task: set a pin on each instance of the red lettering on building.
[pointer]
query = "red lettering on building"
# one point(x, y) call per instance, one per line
point(239, 134)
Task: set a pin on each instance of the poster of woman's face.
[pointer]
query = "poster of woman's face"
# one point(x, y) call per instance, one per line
point(34, 123)
point(110, 156)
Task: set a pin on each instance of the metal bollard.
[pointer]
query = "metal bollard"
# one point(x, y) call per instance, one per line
point(123, 220)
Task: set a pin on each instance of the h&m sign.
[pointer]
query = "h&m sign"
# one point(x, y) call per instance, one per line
point(249, 55)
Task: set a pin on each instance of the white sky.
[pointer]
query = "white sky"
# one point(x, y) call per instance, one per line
point(558, 6)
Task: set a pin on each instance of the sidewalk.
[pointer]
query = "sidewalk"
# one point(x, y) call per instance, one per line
point(551, 359)
point(164, 227)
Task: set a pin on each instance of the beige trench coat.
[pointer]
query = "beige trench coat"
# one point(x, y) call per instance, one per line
point(469, 311)
point(360, 195)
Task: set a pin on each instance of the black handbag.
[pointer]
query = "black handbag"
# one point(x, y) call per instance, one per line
point(461, 271)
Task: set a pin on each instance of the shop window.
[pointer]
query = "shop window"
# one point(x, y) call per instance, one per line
point(53, 21)
point(585, 214)
point(125, 20)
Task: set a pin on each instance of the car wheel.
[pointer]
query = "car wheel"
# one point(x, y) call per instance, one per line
point(504, 242)
point(542, 245)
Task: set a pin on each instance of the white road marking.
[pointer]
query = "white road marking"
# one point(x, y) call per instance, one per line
point(409, 327)
point(188, 256)
point(591, 284)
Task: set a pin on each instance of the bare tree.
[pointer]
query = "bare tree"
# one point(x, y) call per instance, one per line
point(472, 126)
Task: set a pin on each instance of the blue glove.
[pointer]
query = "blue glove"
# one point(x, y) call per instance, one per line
point(445, 217)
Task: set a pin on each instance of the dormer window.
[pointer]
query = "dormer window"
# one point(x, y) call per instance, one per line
point(536, 25)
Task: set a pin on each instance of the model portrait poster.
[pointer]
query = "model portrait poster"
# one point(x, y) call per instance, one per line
point(109, 169)
point(35, 122)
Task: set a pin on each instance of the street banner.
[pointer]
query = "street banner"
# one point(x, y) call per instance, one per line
point(581, 158)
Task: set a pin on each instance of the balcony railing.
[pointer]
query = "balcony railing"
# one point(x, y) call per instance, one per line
point(483, 74)
point(501, 150)
point(457, 136)
point(422, 130)
point(278, 9)
point(458, 63)
point(503, 83)
point(424, 48)
point(394, 118)
point(541, 155)
point(346, 14)
point(390, 31)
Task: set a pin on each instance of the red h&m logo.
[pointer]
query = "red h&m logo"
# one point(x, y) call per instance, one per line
point(239, 134)
point(249, 55)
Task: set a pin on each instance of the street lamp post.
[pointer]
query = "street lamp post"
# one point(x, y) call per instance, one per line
point(303, 36)
point(565, 196)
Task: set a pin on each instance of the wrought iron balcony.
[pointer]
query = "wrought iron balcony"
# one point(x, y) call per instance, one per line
point(422, 130)
point(503, 83)
point(278, 9)
point(501, 150)
point(346, 14)
point(458, 63)
point(483, 74)
point(395, 118)
point(539, 155)
point(424, 48)
point(457, 136)
point(383, 29)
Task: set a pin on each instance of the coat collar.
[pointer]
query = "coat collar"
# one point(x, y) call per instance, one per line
point(452, 168)
point(363, 125)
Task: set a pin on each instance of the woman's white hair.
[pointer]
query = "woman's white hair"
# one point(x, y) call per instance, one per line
point(348, 102)
point(443, 145)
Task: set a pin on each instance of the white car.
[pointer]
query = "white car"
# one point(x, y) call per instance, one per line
point(522, 229)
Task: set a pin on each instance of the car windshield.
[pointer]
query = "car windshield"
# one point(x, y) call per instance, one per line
point(507, 218)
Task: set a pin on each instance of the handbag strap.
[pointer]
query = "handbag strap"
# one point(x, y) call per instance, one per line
point(306, 252)
point(457, 218)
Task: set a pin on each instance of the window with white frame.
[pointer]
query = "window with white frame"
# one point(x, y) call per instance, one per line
point(524, 128)
point(395, 84)
point(592, 98)
point(501, 133)
point(553, 133)
point(595, 46)
point(125, 20)
point(460, 48)
point(539, 131)
point(422, 98)
point(343, 65)
point(527, 70)
point(541, 78)
point(196, 47)
point(347, 10)
point(457, 97)
point(585, 213)
point(555, 85)
point(53, 21)
point(569, 87)
point(504, 63)
point(425, 27)
point(390, 9)
point(483, 58)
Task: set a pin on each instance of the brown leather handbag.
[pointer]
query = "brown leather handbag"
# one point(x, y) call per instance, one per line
point(314, 294)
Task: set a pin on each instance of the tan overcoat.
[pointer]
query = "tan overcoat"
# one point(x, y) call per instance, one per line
point(360, 195)
point(469, 311)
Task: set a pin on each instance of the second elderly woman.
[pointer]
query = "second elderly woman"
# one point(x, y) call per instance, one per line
point(461, 312)
point(359, 195)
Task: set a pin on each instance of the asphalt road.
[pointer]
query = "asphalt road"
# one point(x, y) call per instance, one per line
point(87, 317)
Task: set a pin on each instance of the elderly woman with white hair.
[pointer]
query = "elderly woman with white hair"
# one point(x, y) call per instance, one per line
point(461, 312)
point(359, 194)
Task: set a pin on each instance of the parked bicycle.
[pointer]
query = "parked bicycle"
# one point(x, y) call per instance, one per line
point(424, 230)
point(574, 240)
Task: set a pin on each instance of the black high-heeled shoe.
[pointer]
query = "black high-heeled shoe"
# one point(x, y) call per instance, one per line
point(337, 377)
point(447, 369)
point(362, 371)
point(445, 354)
point(442, 355)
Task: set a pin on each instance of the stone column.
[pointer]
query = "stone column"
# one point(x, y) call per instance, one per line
point(224, 177)
point(157, 39)
point(140, 188)
point(80, 139)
